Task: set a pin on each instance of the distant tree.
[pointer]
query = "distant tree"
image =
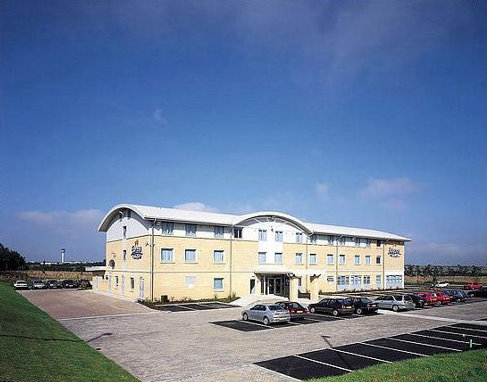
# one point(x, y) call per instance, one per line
point(435, 272)
point(451, 271)
point(10, 260)
point(409, 270)
point(475, 271)
point(417, 270)
point(427, 271)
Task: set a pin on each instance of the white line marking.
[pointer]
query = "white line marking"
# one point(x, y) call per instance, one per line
point(419, 343)
point(106, 316)
point(461, 327)
point(398, 350)
point(360, 355)
point(441, 338)
point(458, 334)
point(323, 363)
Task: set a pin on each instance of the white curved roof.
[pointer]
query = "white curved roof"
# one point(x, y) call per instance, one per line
point(201, 217)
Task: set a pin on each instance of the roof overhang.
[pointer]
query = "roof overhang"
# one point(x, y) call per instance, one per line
point(274, 215)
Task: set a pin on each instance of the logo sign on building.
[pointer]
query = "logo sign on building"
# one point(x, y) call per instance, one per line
point(394, 252)
point(136, 251)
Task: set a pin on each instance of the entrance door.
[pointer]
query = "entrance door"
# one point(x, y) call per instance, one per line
point(141, 289)
point(252, 286)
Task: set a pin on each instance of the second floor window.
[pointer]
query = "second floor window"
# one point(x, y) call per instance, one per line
point(312, 258)
point(329, 259)
point(298, 258)
point(262, 235)
point(299, 237)
point(167, 255)
point(279, 236)
point(218, 256)
point(190, 256)
point(312, 238)
point(367, 259)
point(237, 233)
point(342, 259)
point(378, 260)
point(190, 229)
point(357, 260)
point(262, 257)
point(218, 230)
point(167, 228)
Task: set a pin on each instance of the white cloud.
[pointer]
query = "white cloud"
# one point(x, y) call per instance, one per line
point(446, 253)
point(322, 189)
point(381, 188)
point(64, 221)
point(196, 206)
point(159, 117)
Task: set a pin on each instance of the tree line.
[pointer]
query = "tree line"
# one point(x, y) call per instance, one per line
point(10, 260)
point(435, 270)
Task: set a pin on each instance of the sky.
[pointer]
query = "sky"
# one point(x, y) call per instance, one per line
point(367, 114)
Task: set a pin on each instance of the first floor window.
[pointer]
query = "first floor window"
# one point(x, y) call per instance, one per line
point(190, 281)
point(278, 258)
point(262, 235)
point(279, 236)
point(132, 283)
point(330, 279)
point(298, 259)
point(262, 257)
point(367, 259)
point(378, 280)
point(343, 280)
point(190, 256)
point(218, 256)
point(342, 259)
point(357, 260)
point(378, 260)
point(312, 258)
point(218, 284)
point(329, 259)
point(167, 255)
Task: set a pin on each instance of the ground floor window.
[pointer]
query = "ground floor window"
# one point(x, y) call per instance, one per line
point(393, 281)
point(378, 280)
point(356, 282)
point(190, 281)
point(116, 281)
point(132, 283)
point(218, 284)
point(343, 282)
point(330, 279)
point(366, 280)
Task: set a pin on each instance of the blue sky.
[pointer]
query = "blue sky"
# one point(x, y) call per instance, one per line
point(368, 114)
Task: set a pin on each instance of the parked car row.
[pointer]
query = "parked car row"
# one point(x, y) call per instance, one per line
point(51, 284)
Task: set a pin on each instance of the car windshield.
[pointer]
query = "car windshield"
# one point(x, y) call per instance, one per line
point(294, 305)
point(366, 300)
point(275, 307)
point(398, 297)
point(407, 298)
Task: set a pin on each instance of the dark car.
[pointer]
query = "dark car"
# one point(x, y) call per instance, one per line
point(296, 310)
point(482, 292)
point(364, 305)
point(417, 299)
point(334, 306)
point(456, 295)
point(69, 284)
point(53, 284)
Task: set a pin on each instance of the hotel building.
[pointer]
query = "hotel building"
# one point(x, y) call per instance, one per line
point(165, 253)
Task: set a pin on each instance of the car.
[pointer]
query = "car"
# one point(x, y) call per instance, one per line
point(430, 298)
point(364, 305)
point(21, 284)
point(443, 298)
point(335, 306)
point(440, 284)
point(482, 292)
point(472, 286)
point(53, 284)
point(85, 284)
point(267, 314)
point(418, 300)
point(69, 284)
point(395, 302)
point(38, 284)
point(296, 310)
point(456, 295)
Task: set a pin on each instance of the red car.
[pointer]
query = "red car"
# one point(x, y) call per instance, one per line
point(429, 298)
point(442, 297)
point(296, 310)
point(472, 286)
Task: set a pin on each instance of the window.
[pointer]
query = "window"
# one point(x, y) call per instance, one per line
point(262, 235)
point(279, 236)
point(329, 259)
point(116, 281)
point(124, 231)
point(357, 260)
point(341, 240)
point(378, 259)
point(330, 279)
point(366, 280)
point(357, 241)
point(190, 281)
point(298, 258)
point(218, 230)
point(343, 280)
point(132, 283)
point(218, 284)
point(124, 255)
point(190, 256)
point(299, 237)
point(312, 238)
point(367, 243)
point(278, 258)
point(331, 239)
point(300, 282)
point(312, 258)
point(262, 257)
point(218, 256)
point(167, 228)
point(237, 233)
point(378, 280)
point(342, 259)
point(167, 255)
point(367, 260)
point(379, 243)
point(190, 229)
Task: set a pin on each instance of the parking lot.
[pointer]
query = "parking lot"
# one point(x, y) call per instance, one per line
point(193, 345)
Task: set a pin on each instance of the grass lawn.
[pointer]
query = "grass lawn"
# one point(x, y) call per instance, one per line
point(34, 347)
point(466, 367)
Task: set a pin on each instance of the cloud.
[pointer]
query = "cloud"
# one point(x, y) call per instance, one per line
point(446, 253)
point(391, 193)
point(159, 117)
point(196, 206)
point(322, 189)
point(63, 221)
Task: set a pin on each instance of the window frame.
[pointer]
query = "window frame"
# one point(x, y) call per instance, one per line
point(278, 236)
point(328, 257)
point(195, 256)
point(167, 228)
point(276, 256)
point(218, 232)
point(315, 257)
point(215, 251)
point(189, 229)
point(262, 235)
point(172, 256)
point(222, 288)
point(340, 257)
point(298, 255)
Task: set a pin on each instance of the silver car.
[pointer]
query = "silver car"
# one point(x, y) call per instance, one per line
point(38, 284)
point(395, 302)
point(267, 314)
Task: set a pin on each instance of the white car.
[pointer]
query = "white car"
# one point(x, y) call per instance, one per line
point(21, 284)
point(441, 284)
point(38, 284)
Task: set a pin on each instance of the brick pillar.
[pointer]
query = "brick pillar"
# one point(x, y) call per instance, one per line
point(293, 288)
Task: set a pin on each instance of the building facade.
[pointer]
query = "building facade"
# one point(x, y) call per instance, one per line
point(170, 254)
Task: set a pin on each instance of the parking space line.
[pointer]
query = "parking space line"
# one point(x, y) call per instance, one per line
point(399, 350)
point(440, 338)
point(480, 328)
point(323, 363)
point(423, 344)
point(361, 355)
point(460, 334)
point(258, 324)
point(469, 329)
point(106, 316)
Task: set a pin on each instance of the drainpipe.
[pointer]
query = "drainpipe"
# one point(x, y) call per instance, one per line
point(336, 262)
point(384, 264)
point(152, 261)
point(231, 257)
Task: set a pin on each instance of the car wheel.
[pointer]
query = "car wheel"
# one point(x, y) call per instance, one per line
point(395, 308)
point(245, 317)
point(266, 321)
point(312, 309)
point(335, 312)
point(359, 311)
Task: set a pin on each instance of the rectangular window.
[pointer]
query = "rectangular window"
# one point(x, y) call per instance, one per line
point(167, 255)
point(124, 231)
point(124, 255)
point(190, 229)
point(218, 284)
point(262, 257)
point(132, 283)
point(300, 282)
point(298, 258)
point(379, 243)
point(262, 235)
point(378, 259)
point(378, 280)
point(367, 260)
point(330, 279)
point(342, 241)
point(343, 281)
point(218, 230)
point(190, 256)
point(312, 258)
point(329, 259)
point(167, 228)
point(279, 236)
point(357, 241)
point(331, 239)
point(190, 281)
point(237, 233)
point(299, 237)
point(366, 280)
point(278, 258)
point(313, 238)
point(342, 260)
point(367, 243)
point(218, 256)
point(357, 260)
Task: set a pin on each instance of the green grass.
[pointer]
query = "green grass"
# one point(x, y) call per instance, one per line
point(34, 347)
point(468, 366)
